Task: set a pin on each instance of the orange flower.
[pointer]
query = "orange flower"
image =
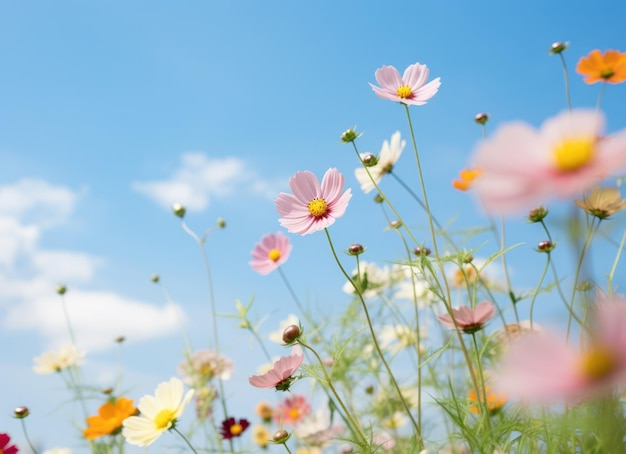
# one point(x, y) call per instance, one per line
point(596, 67)
point(110, 417)
point(494, 401)
point(467, 176)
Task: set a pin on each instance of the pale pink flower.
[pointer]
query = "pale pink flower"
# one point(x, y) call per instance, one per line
point(411, 88)
point(521, 167)
point(270, 253)
point(467, 319)
point(280, 376)
point(292, 410)
point(543, 368)
point(312, 206)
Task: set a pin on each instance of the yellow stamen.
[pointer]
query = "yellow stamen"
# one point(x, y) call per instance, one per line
point(236, 429)
point(164, 419)
point(572, 154)
point(597, 363)
point(404, 92)
point(294, 413)
point(318, 207)
point(274, 255)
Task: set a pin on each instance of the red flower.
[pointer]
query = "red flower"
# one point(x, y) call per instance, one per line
point(4, 445)
point(231, 428)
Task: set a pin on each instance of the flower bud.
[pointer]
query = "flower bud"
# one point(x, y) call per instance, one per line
point(356, 249)
point(584, 286)
point(349, 135)
point(107, 391)
point(120, 339)
point(179, 210)
point(61, 289)
point(21, 412)
point(291, 333)
point(422, 251)
point(280, 436)
point(155, 278)
point(369, 160)
point(467, 258)
point(221, 223)
point(369, 390)
point(395, 224)
point(537, 214)
point(481, 118)
point(379, 198)
point(558, 47)
point(545, 246)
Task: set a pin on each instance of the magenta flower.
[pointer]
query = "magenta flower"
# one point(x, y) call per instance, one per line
point(543, 368)
point(312, 207)
point(467, 319)
point(521, 167)
point(5, 441)
point(280, 376)
point(270, 253)
point(411, 88)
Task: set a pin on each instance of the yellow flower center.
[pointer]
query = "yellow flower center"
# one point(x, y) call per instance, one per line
point(294, 413)
point(607, 73)
point(318, 207)
point(236, 429)
point(274, 254)
point(404, 92)
point(597, 363)
point(164, 419)
point(572, 154)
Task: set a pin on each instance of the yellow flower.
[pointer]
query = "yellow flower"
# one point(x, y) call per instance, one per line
point(265, 411)
point(494, 401)
point(261, 435)
point(608, 67)
point(158, 413)
point(602, 202)
point(110, 417)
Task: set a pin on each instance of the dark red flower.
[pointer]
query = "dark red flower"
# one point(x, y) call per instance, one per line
point(231, 428)
point(4, 445)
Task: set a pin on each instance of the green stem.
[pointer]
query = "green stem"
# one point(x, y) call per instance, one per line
point(567, 91)
point(175, 429)
point(27, 437)
point(375, 341)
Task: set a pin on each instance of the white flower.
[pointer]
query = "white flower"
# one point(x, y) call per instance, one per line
point(315, 429)
point(389, 154)
point(277, 336)
point(58, 451)
point(395, 338)
point(374, 279)
point(395, 421)
point(51, 362)
point(416, 287)
point(158, 413)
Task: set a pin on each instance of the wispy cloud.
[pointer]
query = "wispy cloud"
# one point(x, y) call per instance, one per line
point(29, 275)
point(199, 178)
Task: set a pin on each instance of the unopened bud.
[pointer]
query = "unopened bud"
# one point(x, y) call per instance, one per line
point(179, 210)
point(280, 436)
point(467, 258)
point(545, 246)
point(356, 249)
point(107, 391)
point(120, 339)
point(155, 278)
point(481, 118)
point(369, 160)
point(379, 198)
point(395, 224)
point(349, 135)
point(61, 289)
point(558, 47)
point(291, 333)
point(221, 223)
point(21, 412)
point(369, 389)
point(422, 251)
point(537, 214)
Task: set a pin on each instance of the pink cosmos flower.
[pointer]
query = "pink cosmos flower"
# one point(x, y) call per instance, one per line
point(411, 88)
point(467, 319)
point(543, 368)
point(312, 207)
point(280, 376)
point(520, 167)
point(270, 253)
point(292, 410)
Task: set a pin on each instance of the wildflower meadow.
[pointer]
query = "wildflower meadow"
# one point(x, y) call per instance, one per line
point(506, 334)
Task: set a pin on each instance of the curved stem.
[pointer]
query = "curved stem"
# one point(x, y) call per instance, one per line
point(184, 438)
point(565, 74)
point(30, 444)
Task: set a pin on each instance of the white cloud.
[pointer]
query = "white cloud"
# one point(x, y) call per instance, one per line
point(29, 275)
point(199, 178)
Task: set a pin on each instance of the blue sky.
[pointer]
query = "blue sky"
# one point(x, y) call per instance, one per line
point(102, 102)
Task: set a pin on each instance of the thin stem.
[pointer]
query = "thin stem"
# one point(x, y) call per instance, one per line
point(27, 437)
point(600, 95)
point(175, 429)
point(536, 292)
point(617, 258)
point(375, 341)
point(565, 74)
point(329, 383)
